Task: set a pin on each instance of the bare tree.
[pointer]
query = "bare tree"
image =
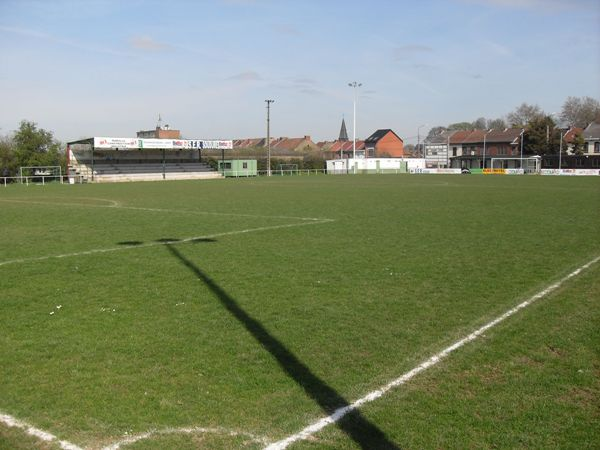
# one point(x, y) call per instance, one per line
point(479, 124)
point(580, 111)
point(524, 114)
point(496, 124)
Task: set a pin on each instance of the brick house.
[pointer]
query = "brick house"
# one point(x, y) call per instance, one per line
point(591, 135)
point(384, 143)
point(478, 147)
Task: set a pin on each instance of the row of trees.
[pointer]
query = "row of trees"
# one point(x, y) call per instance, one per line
point(29, 146)
point(543, 129)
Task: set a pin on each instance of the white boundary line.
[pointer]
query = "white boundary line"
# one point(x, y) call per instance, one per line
point(374, 395)
point(113, 204)
point(174, 242)
point(33, 431)
point(185, 430)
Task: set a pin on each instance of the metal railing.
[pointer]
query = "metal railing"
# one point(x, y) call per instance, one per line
point(42, 180)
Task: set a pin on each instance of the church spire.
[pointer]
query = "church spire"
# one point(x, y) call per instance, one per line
point(343, 132)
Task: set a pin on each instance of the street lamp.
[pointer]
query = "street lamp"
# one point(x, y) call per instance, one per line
point(354, 85)
point(560, 152)
point(484, 136)
point(522, 136)
point(419, 138)
point(269, 136)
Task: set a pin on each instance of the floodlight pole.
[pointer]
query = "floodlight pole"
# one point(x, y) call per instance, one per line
point(269, 136)
point(522, 138)
point(354, 85)
point(448, 153)
point(484, 136)
point(560, 152)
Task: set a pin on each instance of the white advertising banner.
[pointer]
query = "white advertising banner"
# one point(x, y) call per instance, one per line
point(167, 144)
point(114, 143)
point(571, 172)
point(220, 145)
point(156, 143)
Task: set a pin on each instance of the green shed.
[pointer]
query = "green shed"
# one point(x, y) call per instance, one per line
point(238, 167)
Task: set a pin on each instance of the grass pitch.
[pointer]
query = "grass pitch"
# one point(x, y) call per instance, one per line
point(232, 313)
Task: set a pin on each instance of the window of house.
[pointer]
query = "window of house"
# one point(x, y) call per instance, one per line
point(580, 162)
point(454, 151)
point(227, 165)
point(596, 147)
point(244, 165)
point(596, 162)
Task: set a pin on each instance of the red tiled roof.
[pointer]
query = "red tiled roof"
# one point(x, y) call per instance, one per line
point(346, 146)
point(569, 136)
point(509, 135)
point(474, 136)
point(458, 136)
point(289, 143)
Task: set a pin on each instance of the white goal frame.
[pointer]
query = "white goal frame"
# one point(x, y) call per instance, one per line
point(292, 170)
point(525, 163)
point(43, 172)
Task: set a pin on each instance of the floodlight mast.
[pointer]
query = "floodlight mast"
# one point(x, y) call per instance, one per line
point(484, 136)
point(354, 85)
point(269, 136)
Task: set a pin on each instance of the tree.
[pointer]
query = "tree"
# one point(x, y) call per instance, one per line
point(541, 137)
point(436, 131)
point(409, 149)
point(36, 147)
point(524, 114)
point(480, 124)
point(460, 126)
point(580, 112)
point(8, 162)
point(577, 145)
point(496, 124)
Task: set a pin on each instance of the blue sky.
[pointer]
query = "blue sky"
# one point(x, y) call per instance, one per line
point(108, 68)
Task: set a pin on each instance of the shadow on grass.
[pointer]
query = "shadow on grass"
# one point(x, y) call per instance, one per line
point(355, 425)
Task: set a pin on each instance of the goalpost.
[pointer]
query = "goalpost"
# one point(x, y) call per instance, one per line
point(530, 164)
point(40, 173)
point(288, 169)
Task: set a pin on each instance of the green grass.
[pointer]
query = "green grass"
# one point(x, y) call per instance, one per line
point(262, 332)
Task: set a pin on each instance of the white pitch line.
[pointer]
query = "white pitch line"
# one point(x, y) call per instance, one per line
point(185, 430)
point(432, 361)
point(115, 205)
point(33, 431)
point(154, 244)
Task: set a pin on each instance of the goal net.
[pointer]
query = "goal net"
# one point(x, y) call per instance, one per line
point(531, 164)
point(40, 174)
point(287, 169)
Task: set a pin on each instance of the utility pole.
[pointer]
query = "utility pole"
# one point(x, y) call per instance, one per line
point(269, 136)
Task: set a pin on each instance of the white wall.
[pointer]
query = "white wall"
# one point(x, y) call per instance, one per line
point(349, 165)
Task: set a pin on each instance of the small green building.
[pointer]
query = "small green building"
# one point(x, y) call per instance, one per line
point(238, 167)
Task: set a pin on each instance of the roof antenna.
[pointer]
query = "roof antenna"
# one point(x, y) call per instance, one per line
point(159, 124)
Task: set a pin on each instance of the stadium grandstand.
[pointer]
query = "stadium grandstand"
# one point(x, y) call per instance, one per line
point(113, 159)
